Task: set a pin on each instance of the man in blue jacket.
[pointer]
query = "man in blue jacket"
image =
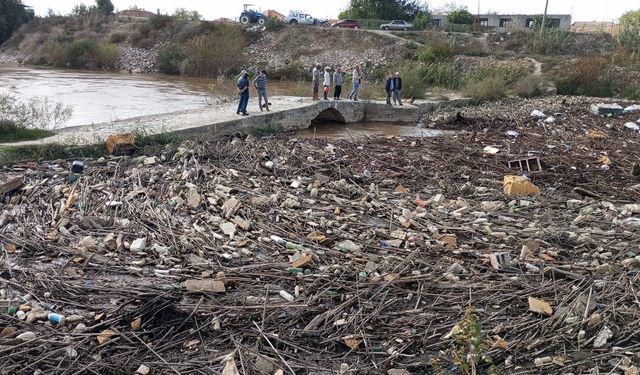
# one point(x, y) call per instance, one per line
point(397, 86)
point(389, 87)
point(243, 93)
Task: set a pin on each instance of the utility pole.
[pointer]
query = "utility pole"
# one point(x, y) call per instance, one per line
point(544, 17)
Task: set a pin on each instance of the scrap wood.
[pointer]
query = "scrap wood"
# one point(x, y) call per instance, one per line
point(391, 288)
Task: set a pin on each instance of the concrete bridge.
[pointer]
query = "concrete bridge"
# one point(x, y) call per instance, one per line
point(287, 114)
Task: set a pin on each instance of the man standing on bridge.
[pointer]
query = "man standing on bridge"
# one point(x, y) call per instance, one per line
point(315, 77)
point(356, 80)
point(397, 86)
point(243, 93)
point(389, 87)
point(260, 83)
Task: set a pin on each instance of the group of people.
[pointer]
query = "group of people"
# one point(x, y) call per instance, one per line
point(393, 86)
point(337, 79)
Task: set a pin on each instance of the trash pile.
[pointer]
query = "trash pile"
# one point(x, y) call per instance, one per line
point(476, 252)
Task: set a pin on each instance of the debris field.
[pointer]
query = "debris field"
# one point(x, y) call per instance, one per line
point(380, 255)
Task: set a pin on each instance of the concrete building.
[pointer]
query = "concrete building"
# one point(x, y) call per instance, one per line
point(509, 22)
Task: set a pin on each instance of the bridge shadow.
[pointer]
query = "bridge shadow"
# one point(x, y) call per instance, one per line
point(329, 115)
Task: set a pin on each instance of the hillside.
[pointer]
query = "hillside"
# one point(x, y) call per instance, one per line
point(484, 66)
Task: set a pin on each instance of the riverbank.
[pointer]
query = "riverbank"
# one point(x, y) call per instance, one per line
point(371, 255)
point(482, 66)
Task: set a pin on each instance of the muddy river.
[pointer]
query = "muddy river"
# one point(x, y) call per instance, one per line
point(98, 97)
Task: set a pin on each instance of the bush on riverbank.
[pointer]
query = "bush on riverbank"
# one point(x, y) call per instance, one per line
point(31, 119)
point(209, 55)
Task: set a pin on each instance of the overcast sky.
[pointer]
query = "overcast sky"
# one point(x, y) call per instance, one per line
point(582, 10)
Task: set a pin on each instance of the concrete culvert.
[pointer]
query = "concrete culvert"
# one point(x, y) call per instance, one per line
point(329, 115)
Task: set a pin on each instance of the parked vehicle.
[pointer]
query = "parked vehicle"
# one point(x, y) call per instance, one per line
point(346, 24)
point(396, 25)
point(295, 18)
point(251, 16)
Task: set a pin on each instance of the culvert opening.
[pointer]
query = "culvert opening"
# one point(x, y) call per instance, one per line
point(329, 116)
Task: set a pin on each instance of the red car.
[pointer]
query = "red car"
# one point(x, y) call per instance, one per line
point(346, 24)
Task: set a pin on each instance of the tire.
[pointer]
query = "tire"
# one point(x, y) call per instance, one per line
point(244, 19)
point(261, 21)
point(386, 28)
point(404, 29)
point(355, 27)
point(293, 22)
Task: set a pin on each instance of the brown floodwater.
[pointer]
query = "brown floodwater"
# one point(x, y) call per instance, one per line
point(103, 97)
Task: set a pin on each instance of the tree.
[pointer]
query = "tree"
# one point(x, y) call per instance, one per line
point(13, 14)
point(105, 7)
point(384, 9)
point(631, 19)
point(461, 16)
point(187, 15)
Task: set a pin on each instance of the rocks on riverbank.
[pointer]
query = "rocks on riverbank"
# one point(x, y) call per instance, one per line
point(137, 60)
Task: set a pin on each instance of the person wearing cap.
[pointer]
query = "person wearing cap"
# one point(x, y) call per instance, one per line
point(315, 79)
point(389, 87)
point(397, 87)
point(337, 83)
point(326, 84)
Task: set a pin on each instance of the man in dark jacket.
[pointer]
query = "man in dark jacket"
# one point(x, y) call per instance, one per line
point(243, 93)
point(397, 87)
point(389, 88)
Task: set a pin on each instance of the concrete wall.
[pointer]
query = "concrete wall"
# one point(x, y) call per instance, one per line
point(509, 22)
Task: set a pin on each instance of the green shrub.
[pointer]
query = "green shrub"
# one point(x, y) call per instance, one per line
point(293, 71)
point(36, 113)
point(274, 24)
point(436, 51)
point(442, 75)
point(413, 85)
point(81, 54)
point(548, 42)
point(490, 88)
point(117, 37)
point(160, 22)
point(587, 76)
point(11, 132)
point(188, 67)
point(629, 41)
point(215, 55)
point(632, 91)
point(108, 56)
point(169, 58)
point(529, 86)
point(508, 73)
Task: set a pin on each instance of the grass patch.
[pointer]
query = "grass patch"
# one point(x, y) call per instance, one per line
point(265, 131)
point(53, 151)
point(529, 86)
point(18, 135)
point(587, 76)
point(486, 89)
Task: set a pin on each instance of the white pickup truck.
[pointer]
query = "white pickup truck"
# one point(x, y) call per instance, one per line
point(296, 18)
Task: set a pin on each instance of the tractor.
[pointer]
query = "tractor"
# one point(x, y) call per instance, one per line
point(251, 16)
